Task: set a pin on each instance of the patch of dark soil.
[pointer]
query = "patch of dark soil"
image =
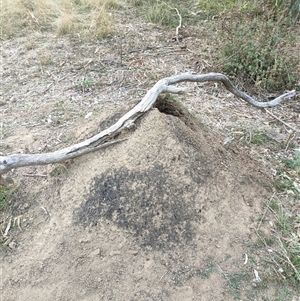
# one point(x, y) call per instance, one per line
point(152, 211)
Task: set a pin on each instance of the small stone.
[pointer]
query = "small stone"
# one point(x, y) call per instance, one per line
point(113, 253)
point(84, 240)
point(12, 245)
point(95, 253)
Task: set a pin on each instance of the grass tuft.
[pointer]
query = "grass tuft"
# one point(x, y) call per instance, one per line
point(161, 13)
point(295, 162)
point(287, 236)
point(85, 18)
point(6, 192)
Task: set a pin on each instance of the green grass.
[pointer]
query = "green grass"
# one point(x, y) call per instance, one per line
point(286, 184)
point(283, 212)
point(252, 42)
point(164, 12)
point(3, 199)
point(6, 194)
point(215, 7)
point(252, 136)
point(295, 162)
point(85, 84)
point(236, 282)
point(208, 269)
point(287, 242)
point(161, 13)
point(254, 51)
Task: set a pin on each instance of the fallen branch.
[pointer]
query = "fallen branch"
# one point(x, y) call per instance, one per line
point(107, 137)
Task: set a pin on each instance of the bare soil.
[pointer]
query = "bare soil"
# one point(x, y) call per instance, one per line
point(168, 214)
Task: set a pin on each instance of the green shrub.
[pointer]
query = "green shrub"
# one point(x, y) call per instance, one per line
point(253, 49)
point(214, 7)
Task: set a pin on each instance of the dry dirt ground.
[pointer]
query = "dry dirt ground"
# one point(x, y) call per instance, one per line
point(168, 214)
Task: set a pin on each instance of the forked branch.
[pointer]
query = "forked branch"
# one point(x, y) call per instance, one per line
point(107, 137)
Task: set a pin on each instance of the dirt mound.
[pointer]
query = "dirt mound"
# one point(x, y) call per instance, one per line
point(159, 216)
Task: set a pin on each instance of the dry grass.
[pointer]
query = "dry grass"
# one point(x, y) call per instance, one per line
point(86, 18)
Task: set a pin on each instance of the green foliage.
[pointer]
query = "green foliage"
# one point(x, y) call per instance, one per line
point(5, 194)
point(283, 221)
point(275, 9)
point(258, 138)
point(3, 202)
point(287, 239)
point(295, 162)
point(85, 84)
point(282, 184)
point(208, 269)
point(295, 10)
point(253, 41)
point(235, 282)
point(254, 52)
point(214, 7)
point(283, 8)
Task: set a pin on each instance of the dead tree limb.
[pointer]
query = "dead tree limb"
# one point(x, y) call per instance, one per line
point(107, 137)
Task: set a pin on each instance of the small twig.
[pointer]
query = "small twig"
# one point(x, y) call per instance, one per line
point(288, 259)
point(280, 120)
point(278, 274)
point(90, 61)
point(48, 88)
point(283, 256)
point(7, 227)
point(180, 23)
point(250, 136)
point(163, 276)
point(34, 175)
point(246, 259)
point(224, 274)
point(58, 137)
point(45, 210)
point(182, 46)
point(268, 248)
point(289, 140)
point(257, 278)
point(121, 53)
point(18, 220)
point(265, 212)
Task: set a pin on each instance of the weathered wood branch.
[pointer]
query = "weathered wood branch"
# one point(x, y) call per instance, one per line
point(106, 137)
